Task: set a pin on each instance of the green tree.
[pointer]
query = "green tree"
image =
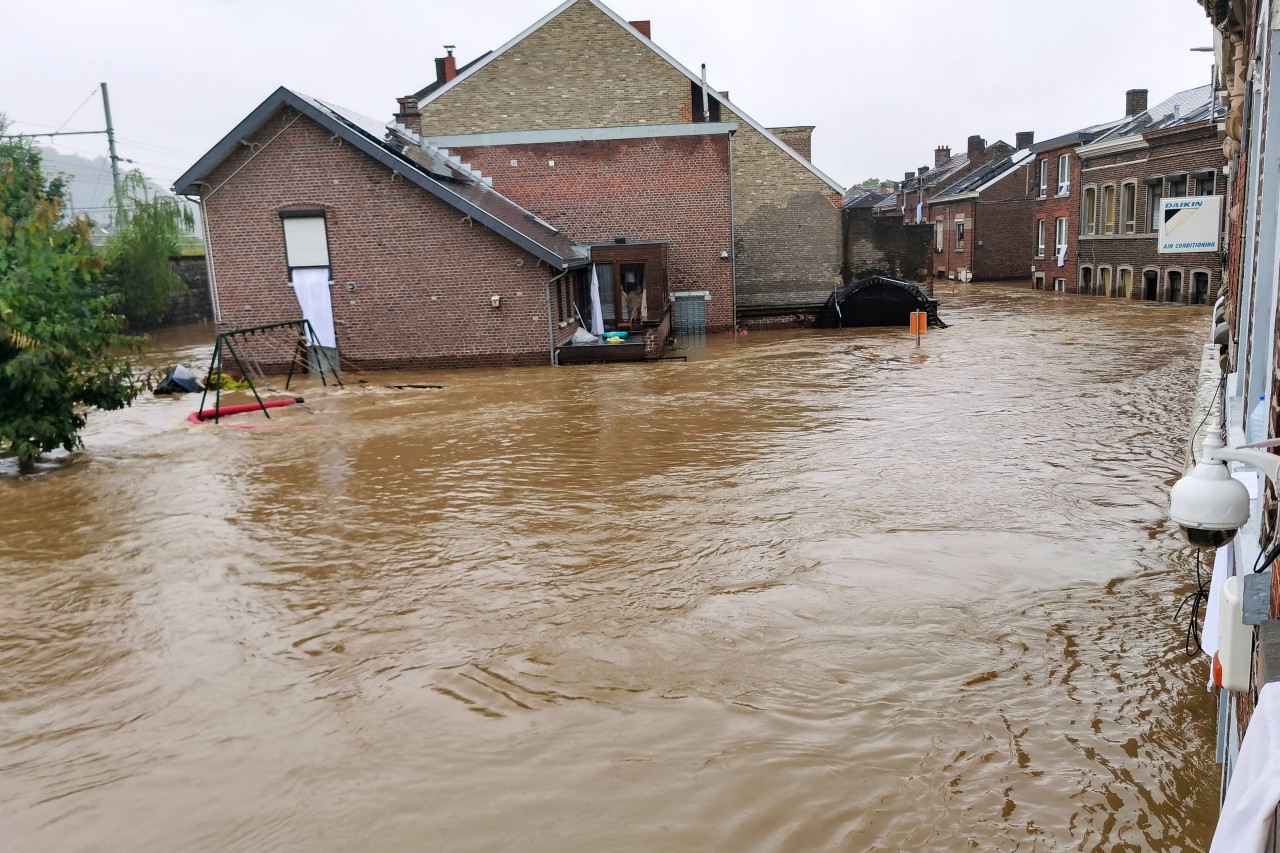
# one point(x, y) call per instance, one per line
point(60, 341)
point(870, 183)
point(137, 255)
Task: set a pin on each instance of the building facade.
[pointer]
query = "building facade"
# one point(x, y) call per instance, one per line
point(1168, 151)
point(419, 262)
point(583, 66)
point(668, 184)
point(980, 222)
point(1055, 212)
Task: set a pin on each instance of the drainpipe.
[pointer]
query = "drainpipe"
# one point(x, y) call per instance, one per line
point(551, 322)
point(733, 239)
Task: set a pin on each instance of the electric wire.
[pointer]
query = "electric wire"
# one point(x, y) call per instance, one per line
point(1197, 598)
point(78, 109)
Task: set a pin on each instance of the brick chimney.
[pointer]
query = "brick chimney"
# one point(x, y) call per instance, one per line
point(977, 145)
point(446, 66)
point(799, 138)
point(408, 114)
point(941, 154)
point(1135, 101)
point(920, 171)
point(1024, 139)
point(908, 176)
point(643, 27)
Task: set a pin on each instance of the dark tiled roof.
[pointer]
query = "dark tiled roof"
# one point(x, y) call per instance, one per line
point(428, 89)
point(858, 197)
point(979, 176)
point(444, 177)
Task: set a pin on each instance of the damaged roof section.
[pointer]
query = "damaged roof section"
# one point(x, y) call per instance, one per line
point(403, 151)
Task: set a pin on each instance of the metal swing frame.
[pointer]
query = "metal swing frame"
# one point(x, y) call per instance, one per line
point(224, 340)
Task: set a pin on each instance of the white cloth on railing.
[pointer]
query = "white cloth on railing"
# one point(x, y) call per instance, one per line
point(1244, 825)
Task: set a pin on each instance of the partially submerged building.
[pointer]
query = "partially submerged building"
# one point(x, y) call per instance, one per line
point(979, 222)
point(584, 69)
point(402, 256)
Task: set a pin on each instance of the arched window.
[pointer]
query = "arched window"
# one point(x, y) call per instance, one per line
point(1128, 207)
point(1173, 286)
point(1104, 281)
point(1124, 283)
point(1109, 209)
point(1086, 281)
point(1089, 211)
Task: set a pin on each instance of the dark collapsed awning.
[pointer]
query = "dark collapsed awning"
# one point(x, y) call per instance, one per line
point(876, 301)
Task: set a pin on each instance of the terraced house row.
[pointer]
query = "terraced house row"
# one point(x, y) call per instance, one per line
point(1083, 212)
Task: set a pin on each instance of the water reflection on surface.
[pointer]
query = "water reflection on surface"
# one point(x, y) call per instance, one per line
point(810, 590)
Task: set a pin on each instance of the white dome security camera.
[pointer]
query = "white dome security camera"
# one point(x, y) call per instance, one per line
point(1209, 504)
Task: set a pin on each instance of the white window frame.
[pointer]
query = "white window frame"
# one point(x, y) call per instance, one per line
point(961, 233)
point(1059, 235)
point(939, 228)
point(1124, 225)
point(1064, 174)
point(1039, 238)
point(1044, 177)
point(1059, 285)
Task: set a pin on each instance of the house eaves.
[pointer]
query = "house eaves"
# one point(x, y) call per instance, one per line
point(1134, 142)
point(539, 239)
point(473, 67)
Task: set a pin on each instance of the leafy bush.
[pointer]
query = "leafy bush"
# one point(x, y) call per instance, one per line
point(137, 254)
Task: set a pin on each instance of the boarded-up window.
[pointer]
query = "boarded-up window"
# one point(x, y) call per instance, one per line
point(306, 242)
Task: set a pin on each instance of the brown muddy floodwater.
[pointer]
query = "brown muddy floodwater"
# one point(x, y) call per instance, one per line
point(808, 591)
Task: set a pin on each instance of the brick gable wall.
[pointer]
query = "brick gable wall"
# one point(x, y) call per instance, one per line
point(423, 272)
point(592, 192)
point(581, 69)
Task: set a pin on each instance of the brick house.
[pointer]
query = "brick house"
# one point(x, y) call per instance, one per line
point(427, 265)
point(927, 181)
point(980, 222)
point(1168, 151)
point(582, 66)
point(1055, 210)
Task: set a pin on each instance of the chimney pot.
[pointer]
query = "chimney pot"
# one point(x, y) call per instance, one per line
point(941, 154)
point(1135, 101)
point(1025, 139)
point(643, 27)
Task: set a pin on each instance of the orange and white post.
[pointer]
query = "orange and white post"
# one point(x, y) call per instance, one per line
point(919, 324)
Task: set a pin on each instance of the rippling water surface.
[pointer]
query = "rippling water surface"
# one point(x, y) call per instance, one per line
point(807, 591)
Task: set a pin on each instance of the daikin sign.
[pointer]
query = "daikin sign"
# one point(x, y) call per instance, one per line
point(1190, 224)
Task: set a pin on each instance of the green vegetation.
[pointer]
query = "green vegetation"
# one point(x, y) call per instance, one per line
point(59, 335)
point(137, 255)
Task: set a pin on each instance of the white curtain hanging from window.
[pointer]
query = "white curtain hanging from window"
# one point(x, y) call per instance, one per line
point(597, 316)
point(312, 289)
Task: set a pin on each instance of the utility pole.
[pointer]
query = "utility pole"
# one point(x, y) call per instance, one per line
point(115, 160)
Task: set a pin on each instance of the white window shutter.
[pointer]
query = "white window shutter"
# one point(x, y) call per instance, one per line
point(306, 242)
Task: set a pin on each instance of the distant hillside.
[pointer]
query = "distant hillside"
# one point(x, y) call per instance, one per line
point(89, 185)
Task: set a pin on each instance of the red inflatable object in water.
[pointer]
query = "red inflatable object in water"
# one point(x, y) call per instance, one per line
point(210, 414)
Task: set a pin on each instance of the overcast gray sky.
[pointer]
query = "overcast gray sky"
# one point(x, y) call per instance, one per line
point(885, 81)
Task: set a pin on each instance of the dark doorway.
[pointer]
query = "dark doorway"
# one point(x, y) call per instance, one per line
point(1199, 288)
point(1173, 288)
point(1150, 285)
point(1086, 281)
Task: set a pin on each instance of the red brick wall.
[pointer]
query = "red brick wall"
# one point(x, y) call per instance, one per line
point(1050, 209)
point(997, 231)
point(423, 273)
point(1186, 150)
point(670, 188)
